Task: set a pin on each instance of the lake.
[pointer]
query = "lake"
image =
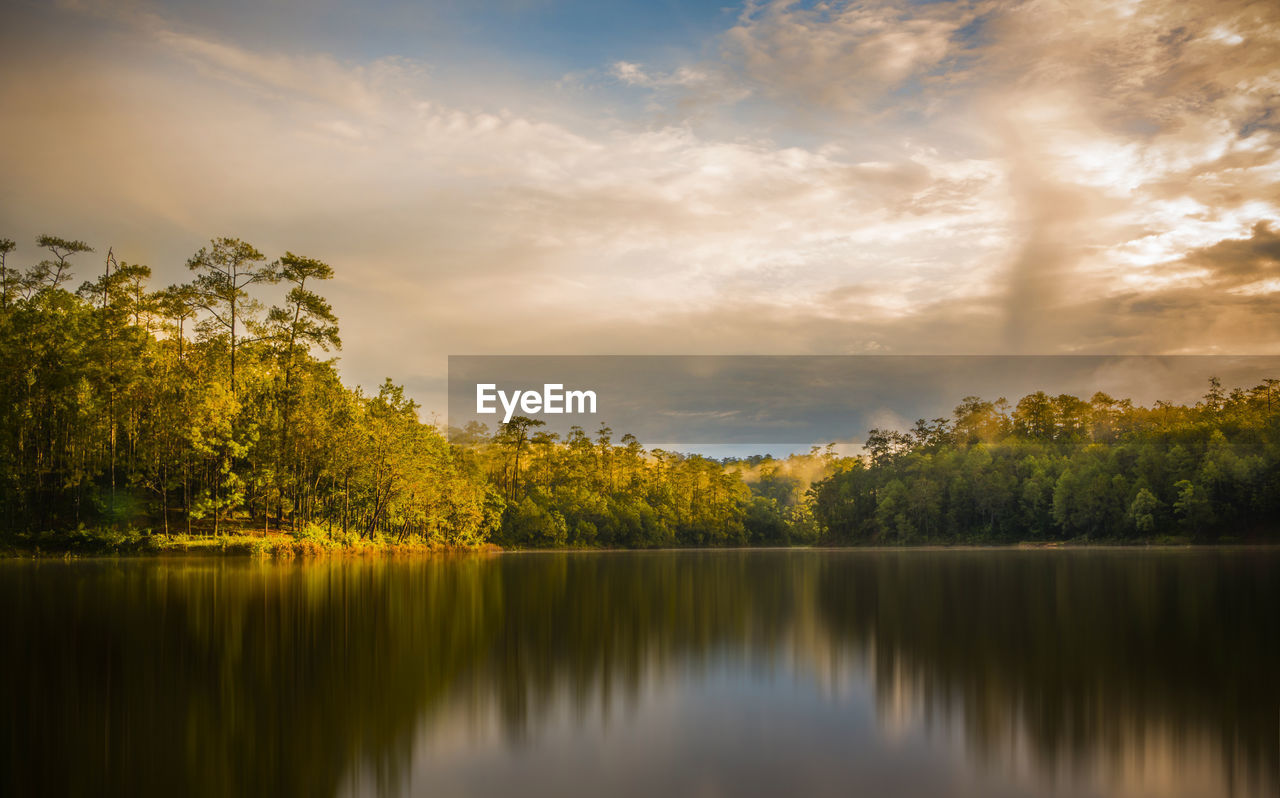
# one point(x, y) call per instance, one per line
point(1080, 672)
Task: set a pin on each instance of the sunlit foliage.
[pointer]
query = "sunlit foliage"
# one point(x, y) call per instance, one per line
point(199, 409)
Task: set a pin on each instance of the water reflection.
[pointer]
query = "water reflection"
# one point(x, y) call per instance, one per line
point(962, 672)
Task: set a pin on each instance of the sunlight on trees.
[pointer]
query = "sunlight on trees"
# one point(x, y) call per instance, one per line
point(195, 409)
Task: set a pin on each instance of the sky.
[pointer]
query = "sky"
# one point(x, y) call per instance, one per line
point(741, 405)
point(670, 178)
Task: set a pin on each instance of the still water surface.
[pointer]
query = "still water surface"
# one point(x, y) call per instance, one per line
point(965, 673)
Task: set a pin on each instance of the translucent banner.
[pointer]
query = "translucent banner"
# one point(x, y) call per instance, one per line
point(796, 402)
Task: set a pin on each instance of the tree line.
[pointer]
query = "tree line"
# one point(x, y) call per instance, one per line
point(194, 407)
point(198, 409)
point(1061, 468)
point(581, 491)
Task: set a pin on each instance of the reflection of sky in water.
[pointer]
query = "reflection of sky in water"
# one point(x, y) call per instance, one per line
point(726, 728)
point(1125, 673)
point(797, 714)
point(735, 729)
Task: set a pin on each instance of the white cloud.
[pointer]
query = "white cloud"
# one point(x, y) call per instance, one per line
point(847, 56)
point(845, 177)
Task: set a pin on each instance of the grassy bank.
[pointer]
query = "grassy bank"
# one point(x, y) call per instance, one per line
point(272, 544)
point(317, 542)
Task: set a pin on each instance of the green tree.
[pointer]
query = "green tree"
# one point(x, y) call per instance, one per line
point(1142, 511)
point(224, 270)
point(10, 280)
point(305, 320)
point(1192, 506)
point(51, 273)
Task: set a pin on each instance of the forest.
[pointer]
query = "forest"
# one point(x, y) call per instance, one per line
point(214, 409)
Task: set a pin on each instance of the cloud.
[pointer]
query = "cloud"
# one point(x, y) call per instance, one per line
point(320, 78)
point(474, 228)
point(1125, 134)
point(1127, 138)
point(636, 75)
point(685, 94)
point(834, 177)
point(1243, 262)
point(846, 56)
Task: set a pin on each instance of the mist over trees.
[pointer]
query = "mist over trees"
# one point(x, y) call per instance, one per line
point(205, 407)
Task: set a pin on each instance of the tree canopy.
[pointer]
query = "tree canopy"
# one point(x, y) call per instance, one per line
point(203, 407)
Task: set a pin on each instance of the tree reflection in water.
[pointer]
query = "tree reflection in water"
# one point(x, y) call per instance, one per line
point(1102, 671)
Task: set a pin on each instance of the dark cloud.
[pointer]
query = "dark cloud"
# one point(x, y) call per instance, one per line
point(1240, 261)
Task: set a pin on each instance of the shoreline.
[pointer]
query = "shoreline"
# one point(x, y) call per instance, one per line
point(283, 547)
point(111, 544)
